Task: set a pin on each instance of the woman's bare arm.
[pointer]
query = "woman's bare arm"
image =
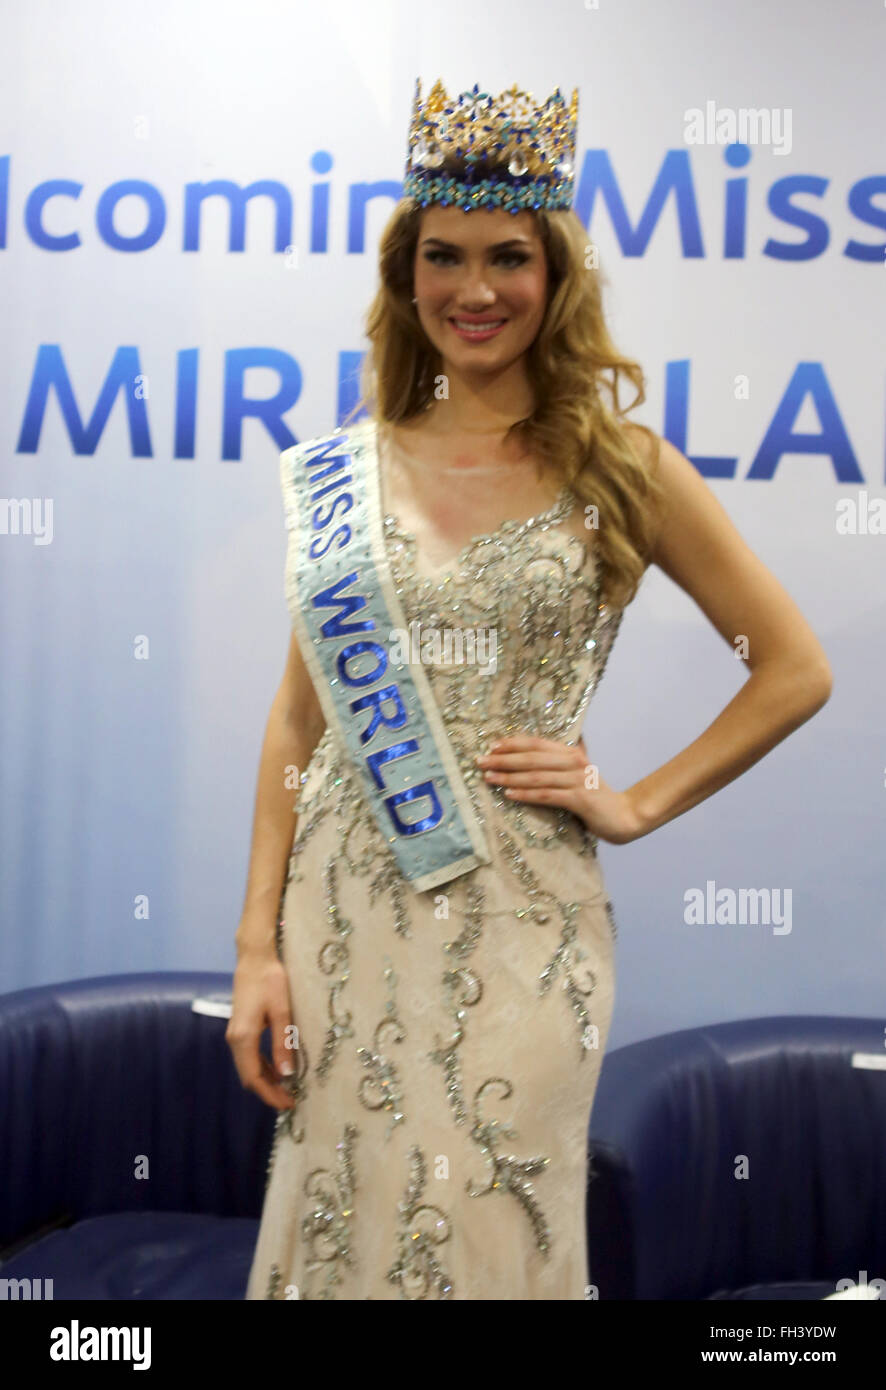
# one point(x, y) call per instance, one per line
point(262, 994)
point(702, 551)
point(295, 725)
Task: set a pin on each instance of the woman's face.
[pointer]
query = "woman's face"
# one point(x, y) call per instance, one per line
point(483, 267)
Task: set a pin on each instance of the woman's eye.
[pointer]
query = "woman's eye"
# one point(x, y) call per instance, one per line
point(511, 258)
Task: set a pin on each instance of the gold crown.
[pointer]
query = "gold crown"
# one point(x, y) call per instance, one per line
point(512, 153)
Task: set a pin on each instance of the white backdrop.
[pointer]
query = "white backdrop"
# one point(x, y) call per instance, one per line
point(141, 646)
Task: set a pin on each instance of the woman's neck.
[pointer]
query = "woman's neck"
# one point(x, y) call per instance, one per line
point(484, 410)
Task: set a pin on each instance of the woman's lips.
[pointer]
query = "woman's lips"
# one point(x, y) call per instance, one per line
point(477, 333)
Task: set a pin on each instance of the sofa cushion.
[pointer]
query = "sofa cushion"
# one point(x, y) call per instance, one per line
point(142, 1255)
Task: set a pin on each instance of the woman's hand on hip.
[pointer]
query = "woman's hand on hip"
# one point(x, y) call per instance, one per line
point(543, 772)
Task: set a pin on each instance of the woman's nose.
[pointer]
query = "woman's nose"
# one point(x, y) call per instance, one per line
point(475, 291)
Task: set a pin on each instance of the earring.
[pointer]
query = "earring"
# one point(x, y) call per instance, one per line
point(415, 301)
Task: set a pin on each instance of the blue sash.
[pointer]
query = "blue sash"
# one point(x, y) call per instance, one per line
point(344, 606)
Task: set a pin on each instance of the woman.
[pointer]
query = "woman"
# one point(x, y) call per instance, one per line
point(439, 977)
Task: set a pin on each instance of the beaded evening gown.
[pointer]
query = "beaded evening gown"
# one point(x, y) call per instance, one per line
point(450, 1040)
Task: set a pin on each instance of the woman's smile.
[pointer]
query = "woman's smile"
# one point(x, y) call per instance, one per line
point(477, 330)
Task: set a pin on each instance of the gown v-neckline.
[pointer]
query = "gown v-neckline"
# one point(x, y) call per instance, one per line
point(563, 503)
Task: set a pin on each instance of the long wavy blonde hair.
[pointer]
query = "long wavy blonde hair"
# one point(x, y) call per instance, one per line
point(586, 441)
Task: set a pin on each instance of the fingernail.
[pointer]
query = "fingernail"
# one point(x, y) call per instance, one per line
point(287, 1068)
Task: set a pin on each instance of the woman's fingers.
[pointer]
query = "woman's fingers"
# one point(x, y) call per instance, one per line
point(561, 764)
point(269, 1088)
point(565, 780)
point(523, 762)
point(284, 1037)
point(561, 760)
point(255, 1072)
point(520, 754)
point(260, 1076)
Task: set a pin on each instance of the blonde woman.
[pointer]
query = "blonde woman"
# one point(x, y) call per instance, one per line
point(427, 933)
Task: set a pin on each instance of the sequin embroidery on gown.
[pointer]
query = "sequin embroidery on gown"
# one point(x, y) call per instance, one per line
point(451, 1040)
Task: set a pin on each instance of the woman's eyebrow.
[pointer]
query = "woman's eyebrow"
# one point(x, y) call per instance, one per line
point(498, 245)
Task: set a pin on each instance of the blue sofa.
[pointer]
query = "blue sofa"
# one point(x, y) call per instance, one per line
point(744, 1160)
point(133, 1163)
point(95, 1077)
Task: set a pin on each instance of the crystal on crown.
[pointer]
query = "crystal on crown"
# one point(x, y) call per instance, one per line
point(509, 151)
